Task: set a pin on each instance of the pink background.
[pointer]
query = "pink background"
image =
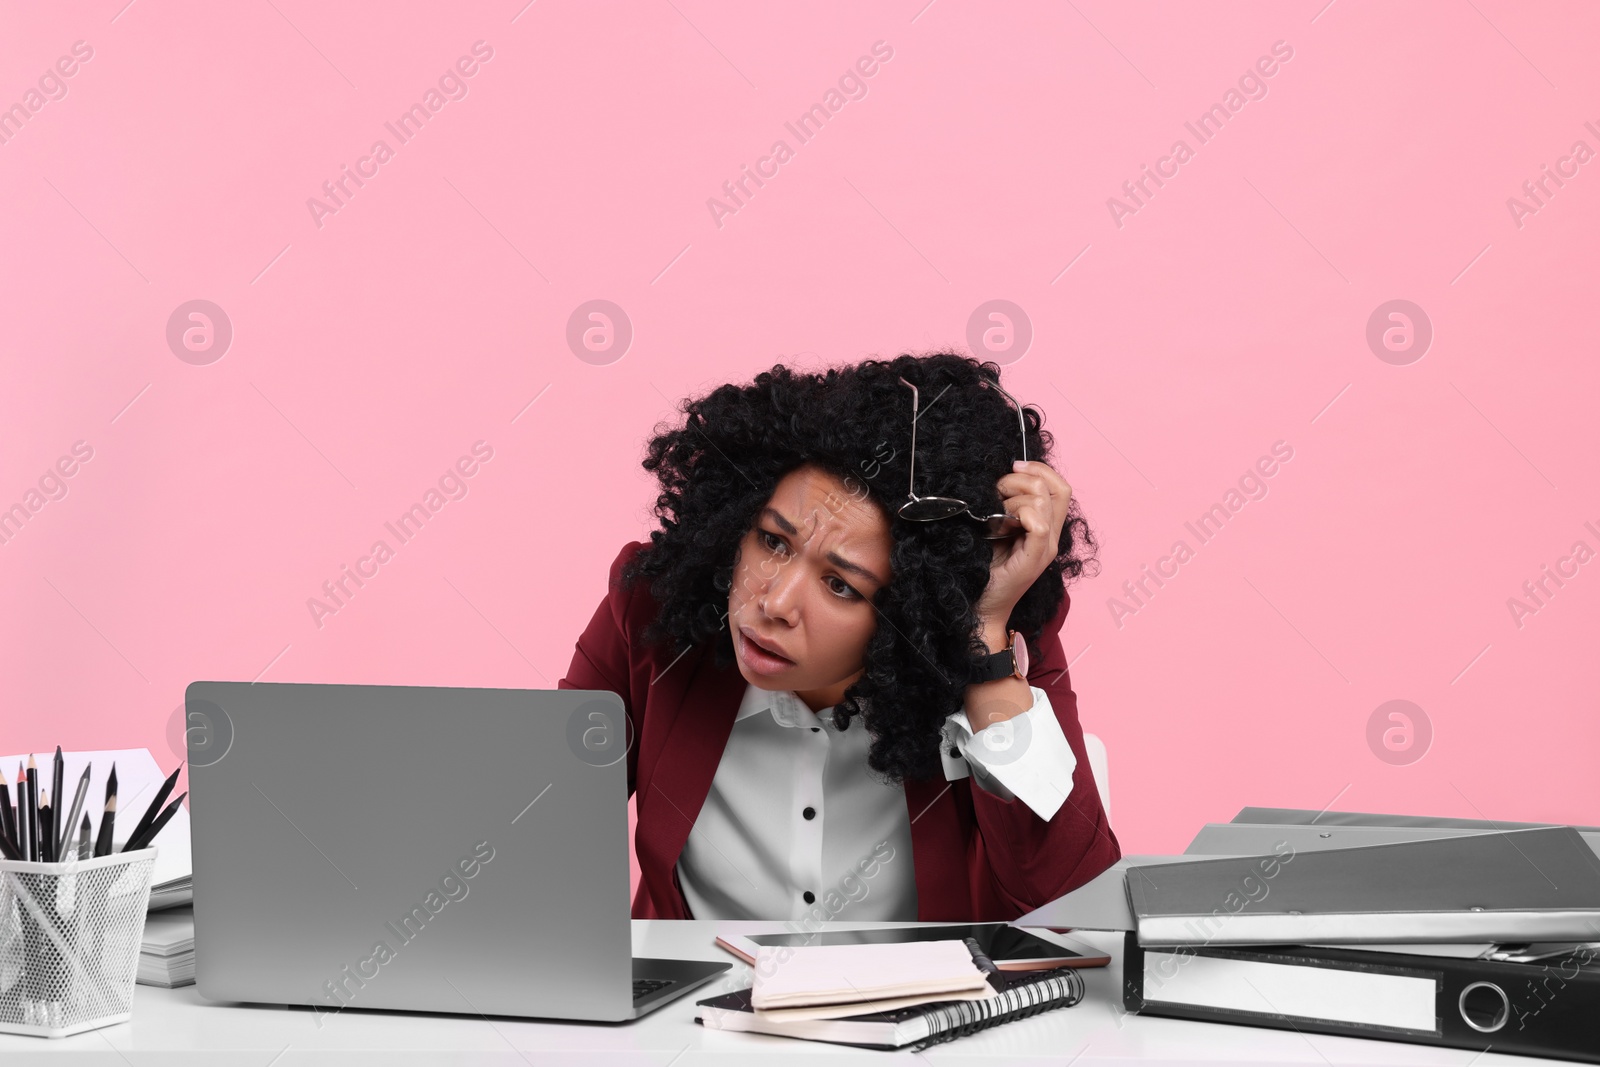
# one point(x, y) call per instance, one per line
point(1228, 313)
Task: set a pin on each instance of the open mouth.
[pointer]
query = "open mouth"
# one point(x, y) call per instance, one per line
point(761, 650)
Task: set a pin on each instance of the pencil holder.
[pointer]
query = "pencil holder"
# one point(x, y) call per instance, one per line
point(69, 941)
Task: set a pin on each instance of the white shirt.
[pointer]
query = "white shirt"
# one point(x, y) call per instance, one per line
point(754, 854)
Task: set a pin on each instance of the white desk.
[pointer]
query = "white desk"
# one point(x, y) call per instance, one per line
point(176, 1028)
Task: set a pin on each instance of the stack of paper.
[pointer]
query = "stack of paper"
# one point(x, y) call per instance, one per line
point(166, 955)
point(138, 779)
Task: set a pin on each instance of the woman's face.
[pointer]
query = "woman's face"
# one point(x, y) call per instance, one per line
point(803, 585)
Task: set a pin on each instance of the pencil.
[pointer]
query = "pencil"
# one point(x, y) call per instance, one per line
point(10, 847)
point(33, 809)
point(155, 827)
point(8, 818)
point(22, 812)
point(78, 799)
point(47, 847)
point(154, 809)
point(102, 843)
point(85, 850)
point(58, 772)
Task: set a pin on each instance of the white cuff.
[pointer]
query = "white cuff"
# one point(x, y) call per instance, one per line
point(1025, 757)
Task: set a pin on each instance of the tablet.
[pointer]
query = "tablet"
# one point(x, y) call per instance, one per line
point(1010, 947)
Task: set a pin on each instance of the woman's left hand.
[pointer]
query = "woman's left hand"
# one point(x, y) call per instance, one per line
point(1037, 495)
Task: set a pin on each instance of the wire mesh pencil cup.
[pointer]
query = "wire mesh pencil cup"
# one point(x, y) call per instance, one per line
point(69, 941)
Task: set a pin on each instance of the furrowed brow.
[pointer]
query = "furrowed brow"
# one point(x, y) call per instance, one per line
point(833, 557)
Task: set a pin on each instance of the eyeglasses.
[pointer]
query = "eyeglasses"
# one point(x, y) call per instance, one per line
point(998, 526)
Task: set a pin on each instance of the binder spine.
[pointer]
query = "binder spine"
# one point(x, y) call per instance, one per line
point(1539, 1009)
point(963, 1017)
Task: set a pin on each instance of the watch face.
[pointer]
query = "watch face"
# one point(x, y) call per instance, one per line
point(1019, 652)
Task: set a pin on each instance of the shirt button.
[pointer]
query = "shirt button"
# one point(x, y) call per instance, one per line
point(809, 897)
point(809, 813)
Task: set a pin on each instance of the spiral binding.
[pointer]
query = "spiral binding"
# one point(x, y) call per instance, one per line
point(959, 1018)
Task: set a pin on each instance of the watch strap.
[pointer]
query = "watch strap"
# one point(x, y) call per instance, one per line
point(997, 665)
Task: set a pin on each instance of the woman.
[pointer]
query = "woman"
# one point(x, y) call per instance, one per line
point(846, 700)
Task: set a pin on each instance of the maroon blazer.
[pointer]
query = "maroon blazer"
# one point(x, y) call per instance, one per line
point(976, 857)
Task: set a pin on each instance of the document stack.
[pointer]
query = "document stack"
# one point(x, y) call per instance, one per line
point(886, 996)
point(1462, 933)
point(175, 891)
point(166, 953)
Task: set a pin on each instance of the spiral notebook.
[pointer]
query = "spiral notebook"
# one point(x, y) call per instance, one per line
point(1019, 995)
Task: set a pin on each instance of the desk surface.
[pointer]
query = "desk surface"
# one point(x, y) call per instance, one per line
point(177, 1028)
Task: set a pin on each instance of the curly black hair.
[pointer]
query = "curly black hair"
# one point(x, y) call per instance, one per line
point(719, 469)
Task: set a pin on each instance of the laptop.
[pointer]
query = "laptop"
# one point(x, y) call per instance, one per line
point(417, 848)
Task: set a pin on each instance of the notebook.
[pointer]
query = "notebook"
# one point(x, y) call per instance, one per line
point(1522, 885)
point(1019, 994)
point(847, 974)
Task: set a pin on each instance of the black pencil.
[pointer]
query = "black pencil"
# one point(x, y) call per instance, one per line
point(47, 847)
point(22, 812)
point(102, 842)
point(154, 809)
point(8, 818)
point(154, 828)
point(58, 771)
point(10, 847)
point(33, 809)
point(85, 850)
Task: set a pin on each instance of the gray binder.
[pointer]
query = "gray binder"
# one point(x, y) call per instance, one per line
point(1258, 839)
point(1307, 817)
point(1540, 884)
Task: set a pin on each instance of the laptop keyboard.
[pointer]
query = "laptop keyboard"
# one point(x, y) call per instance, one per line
point(643, 987)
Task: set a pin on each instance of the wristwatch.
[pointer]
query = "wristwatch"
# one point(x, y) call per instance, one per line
point(1009, 662)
